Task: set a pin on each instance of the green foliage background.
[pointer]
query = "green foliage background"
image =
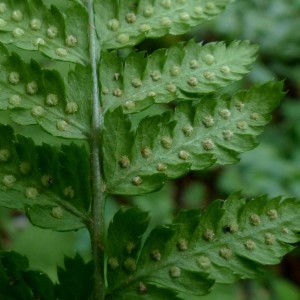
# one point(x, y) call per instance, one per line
point(272, 168)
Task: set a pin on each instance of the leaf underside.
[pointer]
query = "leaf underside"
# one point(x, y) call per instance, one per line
point(195, 136)
point(37, 96)
point(229, 240)
point(123, 23)
point(181, 72)
point(30, 25)
point(51, 184)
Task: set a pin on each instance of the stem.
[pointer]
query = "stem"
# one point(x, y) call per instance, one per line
point(97, 224)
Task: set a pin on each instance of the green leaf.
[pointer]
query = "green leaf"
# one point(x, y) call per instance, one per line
point(41, 285)
point(17, 282)
point(228, 240)
point(193, 137)
point(123, 247)
point(37, 96)
point(181, 72)
point(124, 242)
point(54, 217)
point(53, 184)
point(128, 22)
point(30, 25)
point(136, 292)
point(75, 280)
point(144, 283)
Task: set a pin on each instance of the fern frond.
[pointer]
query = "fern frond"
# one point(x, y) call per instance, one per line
point(37, 96)
point(195, 136)
point(229, 240)
point(181, 72)
point(19, 282)
point(51, 184)
point(75, 280)
point(30, 25)
point(122, 23)
point(129, 241)
point(125, 234)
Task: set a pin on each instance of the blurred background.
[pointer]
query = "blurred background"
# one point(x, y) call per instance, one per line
point(272, 168)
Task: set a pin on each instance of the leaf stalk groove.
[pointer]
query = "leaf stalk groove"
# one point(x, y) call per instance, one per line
point(96, 226)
